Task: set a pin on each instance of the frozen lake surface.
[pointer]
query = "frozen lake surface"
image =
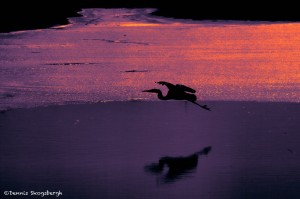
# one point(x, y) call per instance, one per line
point(114, 54)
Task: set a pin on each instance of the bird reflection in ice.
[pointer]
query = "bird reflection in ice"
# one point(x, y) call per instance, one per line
point(178, 167)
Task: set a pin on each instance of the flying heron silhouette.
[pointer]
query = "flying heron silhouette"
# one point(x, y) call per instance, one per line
point(177, 92)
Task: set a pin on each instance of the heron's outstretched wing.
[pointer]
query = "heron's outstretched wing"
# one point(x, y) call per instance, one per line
point(167, 84)
point(185, 88)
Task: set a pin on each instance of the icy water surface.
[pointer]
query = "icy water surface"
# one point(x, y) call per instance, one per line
point(112, 150)
point(126, 148)
point(114, 54)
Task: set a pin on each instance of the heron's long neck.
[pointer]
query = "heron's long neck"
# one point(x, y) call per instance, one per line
point(160, 96)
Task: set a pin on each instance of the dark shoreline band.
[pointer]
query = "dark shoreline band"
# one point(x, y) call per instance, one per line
point(28, 14)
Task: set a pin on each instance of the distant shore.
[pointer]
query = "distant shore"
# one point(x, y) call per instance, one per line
point(32, 15)
point(29, 15)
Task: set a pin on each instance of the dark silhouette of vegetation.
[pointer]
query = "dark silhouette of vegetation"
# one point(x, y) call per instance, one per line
point(30, 14)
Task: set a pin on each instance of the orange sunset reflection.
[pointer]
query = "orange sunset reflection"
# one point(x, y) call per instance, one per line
point(114, 56)
point(258, 62)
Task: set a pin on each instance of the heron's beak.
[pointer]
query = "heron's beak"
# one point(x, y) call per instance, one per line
point(147, 91)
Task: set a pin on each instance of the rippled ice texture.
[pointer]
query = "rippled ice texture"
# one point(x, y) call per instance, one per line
point(114, 54)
